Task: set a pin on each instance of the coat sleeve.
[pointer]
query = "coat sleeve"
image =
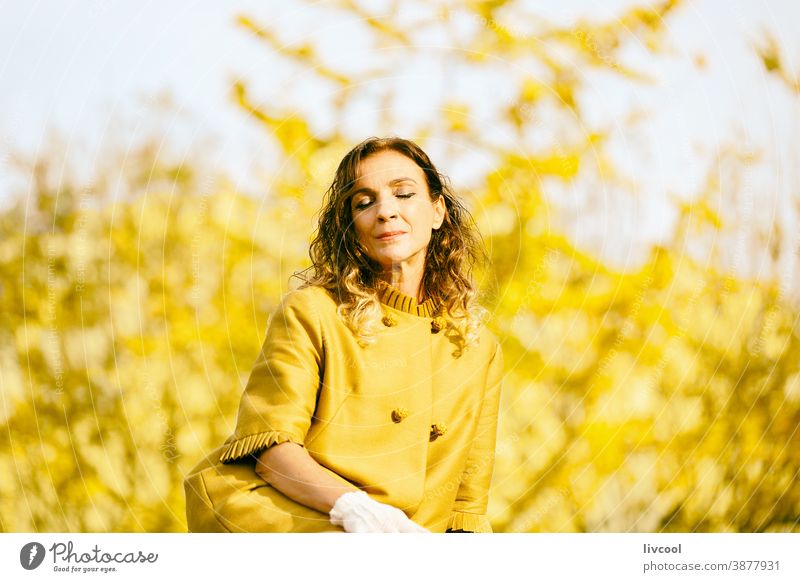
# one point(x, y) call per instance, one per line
point(280, 396)
point(469, 510)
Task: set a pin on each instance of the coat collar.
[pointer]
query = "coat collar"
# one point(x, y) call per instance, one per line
point(393, 298)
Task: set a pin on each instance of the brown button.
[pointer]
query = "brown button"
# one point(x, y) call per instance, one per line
point(437, 430)
point(389, 320)
point(398, 414)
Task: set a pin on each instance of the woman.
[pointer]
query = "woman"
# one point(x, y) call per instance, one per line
point(373, 404)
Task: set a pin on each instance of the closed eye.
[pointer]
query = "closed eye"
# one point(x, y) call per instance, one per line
point(359, 202)
point(367, 201)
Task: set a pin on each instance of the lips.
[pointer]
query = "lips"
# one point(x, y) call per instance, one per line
point(390, 235)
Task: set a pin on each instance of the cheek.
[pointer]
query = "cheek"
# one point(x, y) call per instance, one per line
point(422, 219)
point(361, 224)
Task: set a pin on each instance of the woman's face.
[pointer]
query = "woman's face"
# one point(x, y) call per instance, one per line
point(392, 209)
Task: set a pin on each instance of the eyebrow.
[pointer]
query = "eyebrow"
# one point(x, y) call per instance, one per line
point(394, 182)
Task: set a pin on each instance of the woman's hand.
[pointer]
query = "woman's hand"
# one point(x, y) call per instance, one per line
point(357, 512)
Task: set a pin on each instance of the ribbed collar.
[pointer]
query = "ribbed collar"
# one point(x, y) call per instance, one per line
point(390, 296)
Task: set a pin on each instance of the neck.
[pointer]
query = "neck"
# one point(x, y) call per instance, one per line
point(406, 279)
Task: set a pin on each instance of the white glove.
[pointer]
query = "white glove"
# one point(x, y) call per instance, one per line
point(357, 512)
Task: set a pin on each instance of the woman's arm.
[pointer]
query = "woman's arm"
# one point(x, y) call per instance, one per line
point(469, 510)
point(290, 469)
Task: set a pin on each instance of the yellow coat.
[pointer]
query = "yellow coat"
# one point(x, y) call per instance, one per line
point(403, 419)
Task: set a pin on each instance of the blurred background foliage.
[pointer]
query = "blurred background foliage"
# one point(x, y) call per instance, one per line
point(661, 398)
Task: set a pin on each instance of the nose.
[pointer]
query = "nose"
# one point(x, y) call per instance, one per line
point(387, 209)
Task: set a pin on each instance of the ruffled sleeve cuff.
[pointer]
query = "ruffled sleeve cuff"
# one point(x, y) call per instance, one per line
point(469, 522)
point(253, 444)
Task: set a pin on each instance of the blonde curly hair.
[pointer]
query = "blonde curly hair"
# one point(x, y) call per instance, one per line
point(340, 265)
